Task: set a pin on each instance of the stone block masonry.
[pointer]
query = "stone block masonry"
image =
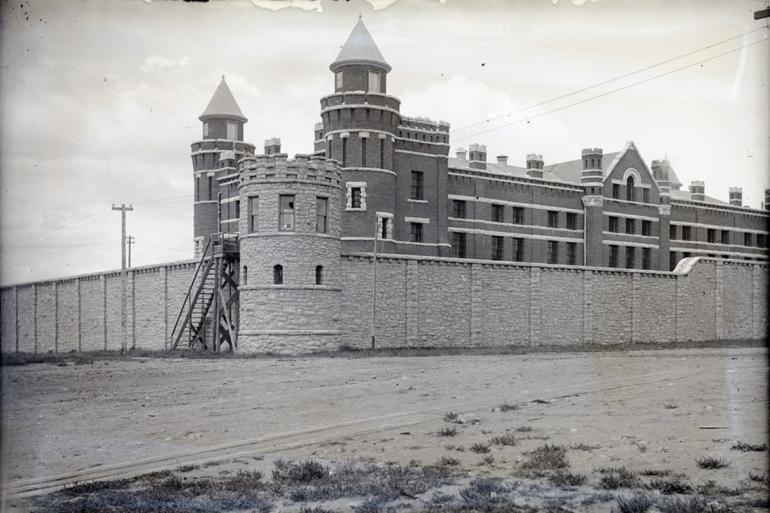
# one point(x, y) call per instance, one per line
point(421, 302)
point(83, 313)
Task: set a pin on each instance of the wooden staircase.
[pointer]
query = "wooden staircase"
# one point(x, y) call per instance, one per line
point(208, 317)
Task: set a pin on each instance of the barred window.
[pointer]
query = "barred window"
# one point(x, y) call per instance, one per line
point(553, 219)
point(416, 232)
point(518, 215)
point(286, 205)
point(518, 249)
point(615, 191)
point(613, 256)
point(631, 226)
point(571, 221)
point(747, 239)
point(497, 247)
point(646, 195)
point(355, 197)
point(613, 224)
point(646, 228)
point(646, 253)
point(571, 253)
point(321, 214)
point(458, 209)
point(725, 237)
point(686, 232)
point(458, 245)
point(497, 213)
point(630, 256)
point(416, 191)
point(711, 235)
point(553, 252)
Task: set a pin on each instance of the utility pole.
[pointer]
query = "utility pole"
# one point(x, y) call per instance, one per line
point(124, 333)
point(131, 240)
point(374, 274)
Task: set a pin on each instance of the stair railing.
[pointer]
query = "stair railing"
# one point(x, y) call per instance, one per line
point(176, 336)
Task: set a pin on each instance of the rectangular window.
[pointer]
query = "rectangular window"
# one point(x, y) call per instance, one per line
point(646, 195)
point(518, 249)
point(553, 252)
point(761, 240)
point(286, 215)
point(253, 214)
point(631, 226)
point(363, 151)
point(616, 191)
point(355, 197)
point(646, 253)
point(686, 232)
point(613, 256)
point(416, 192)
point(630, 256)
point(497, 213)
point(747, 239)
point(237, 209)
point(711, 235)
point(338, 81)
point(672, 260)
point(725, 237)
point(672, 232)
point(382, 153)
point(458, 245)
point(205, 129)
point(571, 221)
point(518, 215)
point(613, 224)
point(232, 130)
point(211, 188)
point(553, 219)
point(497, 248)
point(571, 253)
point(386, 228)
point(416, 232)
point(458, 209)
point(197, 188)
point(344, 151)
point(374, 82)
point(321, 214)
point(646, 228)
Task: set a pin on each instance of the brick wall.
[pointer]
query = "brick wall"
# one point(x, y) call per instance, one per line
point(420, 302)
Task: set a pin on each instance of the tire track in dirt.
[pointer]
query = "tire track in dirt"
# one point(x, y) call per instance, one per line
point(314, 436)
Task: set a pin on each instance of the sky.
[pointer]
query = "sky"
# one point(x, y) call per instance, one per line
point(99, 100)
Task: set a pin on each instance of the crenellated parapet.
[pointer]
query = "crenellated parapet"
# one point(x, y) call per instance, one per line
point(277, 167)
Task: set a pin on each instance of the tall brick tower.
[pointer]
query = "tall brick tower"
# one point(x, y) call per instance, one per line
point(359, 128)
point(593, 205)
point(213, 159)
point(290, 283)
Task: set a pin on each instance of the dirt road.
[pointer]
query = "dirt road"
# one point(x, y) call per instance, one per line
point(643, 409)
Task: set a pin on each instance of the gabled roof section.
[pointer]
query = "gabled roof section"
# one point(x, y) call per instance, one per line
point(223, 105)
point(360, 48)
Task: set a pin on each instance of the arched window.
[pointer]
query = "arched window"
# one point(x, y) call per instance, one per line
point(245, 279)
point(319, 274)
point(278, 274)
point(630, 192)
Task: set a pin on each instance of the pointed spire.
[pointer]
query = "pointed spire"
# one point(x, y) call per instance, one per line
point(360, 48)
point(223, 105)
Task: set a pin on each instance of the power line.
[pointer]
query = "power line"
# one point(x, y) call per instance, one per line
point(605, 82)
point(610, 92)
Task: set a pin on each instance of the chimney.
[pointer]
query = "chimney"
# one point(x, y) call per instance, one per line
point(477, 154)
point(697, 190)
point(736, 196)
point(535, 165)
point(272, 146)
point(660, 175)
point(502, 160)
point(592, 167)
point(460, 153)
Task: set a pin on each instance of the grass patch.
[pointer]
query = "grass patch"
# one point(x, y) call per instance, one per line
point(507, 407)
point(544, 460)
point(583, 447)
point(480, 448)
point(487, 460)
point(759, 478)
point(655, 472)
point(561, 478)
point(711, 463)
point(506, 439)
point(746, 447)
point(670, 486)
point(617, 477)
point(691, 505)
point(187, 468)
point(452, 416)
point(523, 429)
point(447, 431)
point(635, 504)
point(448, 461)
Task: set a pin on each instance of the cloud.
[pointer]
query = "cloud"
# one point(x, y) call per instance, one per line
point(157, 63)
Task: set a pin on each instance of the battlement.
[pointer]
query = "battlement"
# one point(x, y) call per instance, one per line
point(423, 123)
point(278, 167)
point(592, 151)
point(478, 147)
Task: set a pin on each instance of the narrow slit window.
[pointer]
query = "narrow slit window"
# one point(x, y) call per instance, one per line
point(319, 274)
point(278, 274)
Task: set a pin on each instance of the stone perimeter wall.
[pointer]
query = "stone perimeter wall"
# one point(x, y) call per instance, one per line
point(83, 313)
point(423, 302)
point(428, 302)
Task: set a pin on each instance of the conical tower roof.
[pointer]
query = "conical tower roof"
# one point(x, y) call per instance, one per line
point(360, 48)
point(223, 105)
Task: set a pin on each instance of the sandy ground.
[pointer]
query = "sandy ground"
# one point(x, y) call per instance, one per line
point(658, 409)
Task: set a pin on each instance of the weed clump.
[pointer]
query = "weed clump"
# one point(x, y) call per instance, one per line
point(617, 477)
point(710, 463)
point(746, 447)
point(670, 486)
point(635, 504)
point(561, 478)
point(480, 448)
point(544, 460)
point(305, 472)
point(447, 431)
point(506, 439)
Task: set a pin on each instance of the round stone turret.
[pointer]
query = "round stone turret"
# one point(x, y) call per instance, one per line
point(289, 253)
